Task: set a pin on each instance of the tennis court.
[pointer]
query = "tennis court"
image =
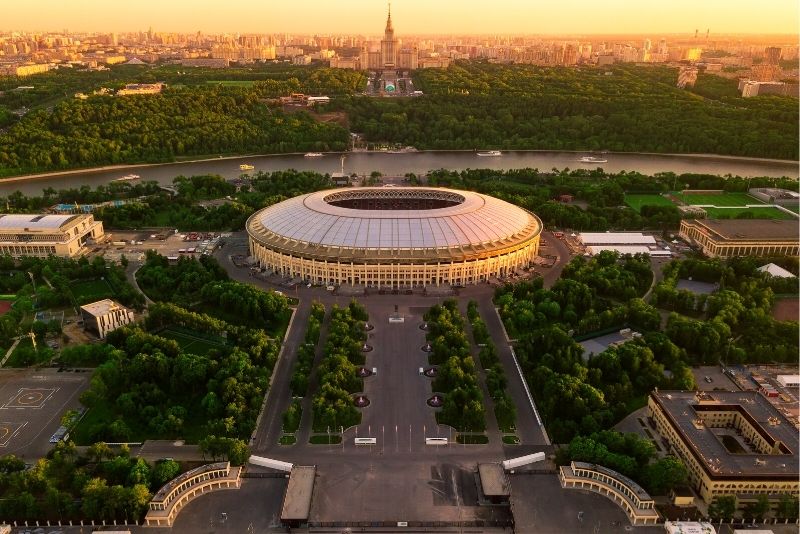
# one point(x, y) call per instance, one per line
point(638, 201)
point(190, 342)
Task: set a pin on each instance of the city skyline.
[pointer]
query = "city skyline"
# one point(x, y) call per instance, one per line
point(447, 17)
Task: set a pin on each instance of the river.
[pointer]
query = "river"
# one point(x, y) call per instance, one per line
point(416, 162)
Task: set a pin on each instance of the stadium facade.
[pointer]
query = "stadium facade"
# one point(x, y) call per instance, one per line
point(394, 237)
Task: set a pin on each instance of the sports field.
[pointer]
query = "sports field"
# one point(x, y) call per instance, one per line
point(91, 290)
point(719, 199)
point(766, 212)
point(637, 201)
point(191, 343)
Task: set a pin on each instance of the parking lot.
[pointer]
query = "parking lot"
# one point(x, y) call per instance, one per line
point(32, 402)
point(718, 380)
point(171, 244)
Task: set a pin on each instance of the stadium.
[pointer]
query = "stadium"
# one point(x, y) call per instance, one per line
point(394, 237)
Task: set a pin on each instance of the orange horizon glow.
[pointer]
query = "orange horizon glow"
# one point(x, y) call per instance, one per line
point(420, 17)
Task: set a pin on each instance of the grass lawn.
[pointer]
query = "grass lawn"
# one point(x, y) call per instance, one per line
point(191, 343)
point(723, 199)
point(472, 439)
point(287, 439)
point(91, 290)
point(637, 201)
point(767, 212)
point(795, 209)
point(511, 440)
point(325, 439)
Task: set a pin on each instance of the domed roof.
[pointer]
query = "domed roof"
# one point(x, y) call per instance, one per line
point(402, 221)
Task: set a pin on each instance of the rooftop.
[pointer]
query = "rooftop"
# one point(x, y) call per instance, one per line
point(776, 271)
point(101, 307)
point(616, 238)
point(167, 488)
point(633, 486)
point(33, 221)
point(750, 229)
point(297, 501)
point(683, 408)
point(494, 482)
point(401, 221)
point(689, 527)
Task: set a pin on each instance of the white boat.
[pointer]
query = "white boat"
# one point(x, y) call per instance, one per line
point(246, 167)
point(490, 153)
point(128, 178)
point(592, 159)
point(313, 155)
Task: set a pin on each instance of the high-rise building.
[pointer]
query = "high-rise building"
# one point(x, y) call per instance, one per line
point(389, 44)
point(772, 55)
point(687, 77)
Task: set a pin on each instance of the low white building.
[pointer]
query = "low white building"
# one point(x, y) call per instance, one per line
point(789, 381)
point(617, 238)
point(775, 270)
point(689, 527)
point(105, 315)
point(622, 242)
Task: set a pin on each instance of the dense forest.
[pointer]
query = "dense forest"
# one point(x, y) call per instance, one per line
point(479, 105)
point(148, 385)
point(470, 105)
point(457, 378)
point(604, 196)
point(578, 393)
point(203, 285)
point(333, 405)
point(106, 130)
point(98, 484)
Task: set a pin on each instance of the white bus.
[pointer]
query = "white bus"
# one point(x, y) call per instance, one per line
point(365, 441)
point(435, 441)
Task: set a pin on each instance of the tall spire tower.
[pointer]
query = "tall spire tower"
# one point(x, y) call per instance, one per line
point(389, 44)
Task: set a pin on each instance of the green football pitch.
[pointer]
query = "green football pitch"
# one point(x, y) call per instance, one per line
point(637, 201)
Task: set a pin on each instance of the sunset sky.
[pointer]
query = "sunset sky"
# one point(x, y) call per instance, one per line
point(410, 16)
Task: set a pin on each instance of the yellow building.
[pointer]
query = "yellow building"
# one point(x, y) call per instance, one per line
point(732, 443)
point(141, 89)
point(394, 237)
point(26, 70)
point(727, 238)
point(105, 316)
point(45, 235)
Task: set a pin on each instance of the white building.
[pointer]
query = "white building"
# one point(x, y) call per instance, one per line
point(622, 242)
point(44, 235)
point(104, 316)
point(775, 270)
point(789, 381)
point(689, 527)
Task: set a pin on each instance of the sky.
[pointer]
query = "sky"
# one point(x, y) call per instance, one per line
point(409, 16)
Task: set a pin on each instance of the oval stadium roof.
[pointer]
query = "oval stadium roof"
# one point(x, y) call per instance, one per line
point(468, 220)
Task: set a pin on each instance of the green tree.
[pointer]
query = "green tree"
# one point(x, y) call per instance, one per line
point(788, 507)
point(760, 508)
point(163, 472)
point(723, 507)
point(664, 475)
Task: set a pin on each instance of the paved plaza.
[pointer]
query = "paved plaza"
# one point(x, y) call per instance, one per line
point(32, 402)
